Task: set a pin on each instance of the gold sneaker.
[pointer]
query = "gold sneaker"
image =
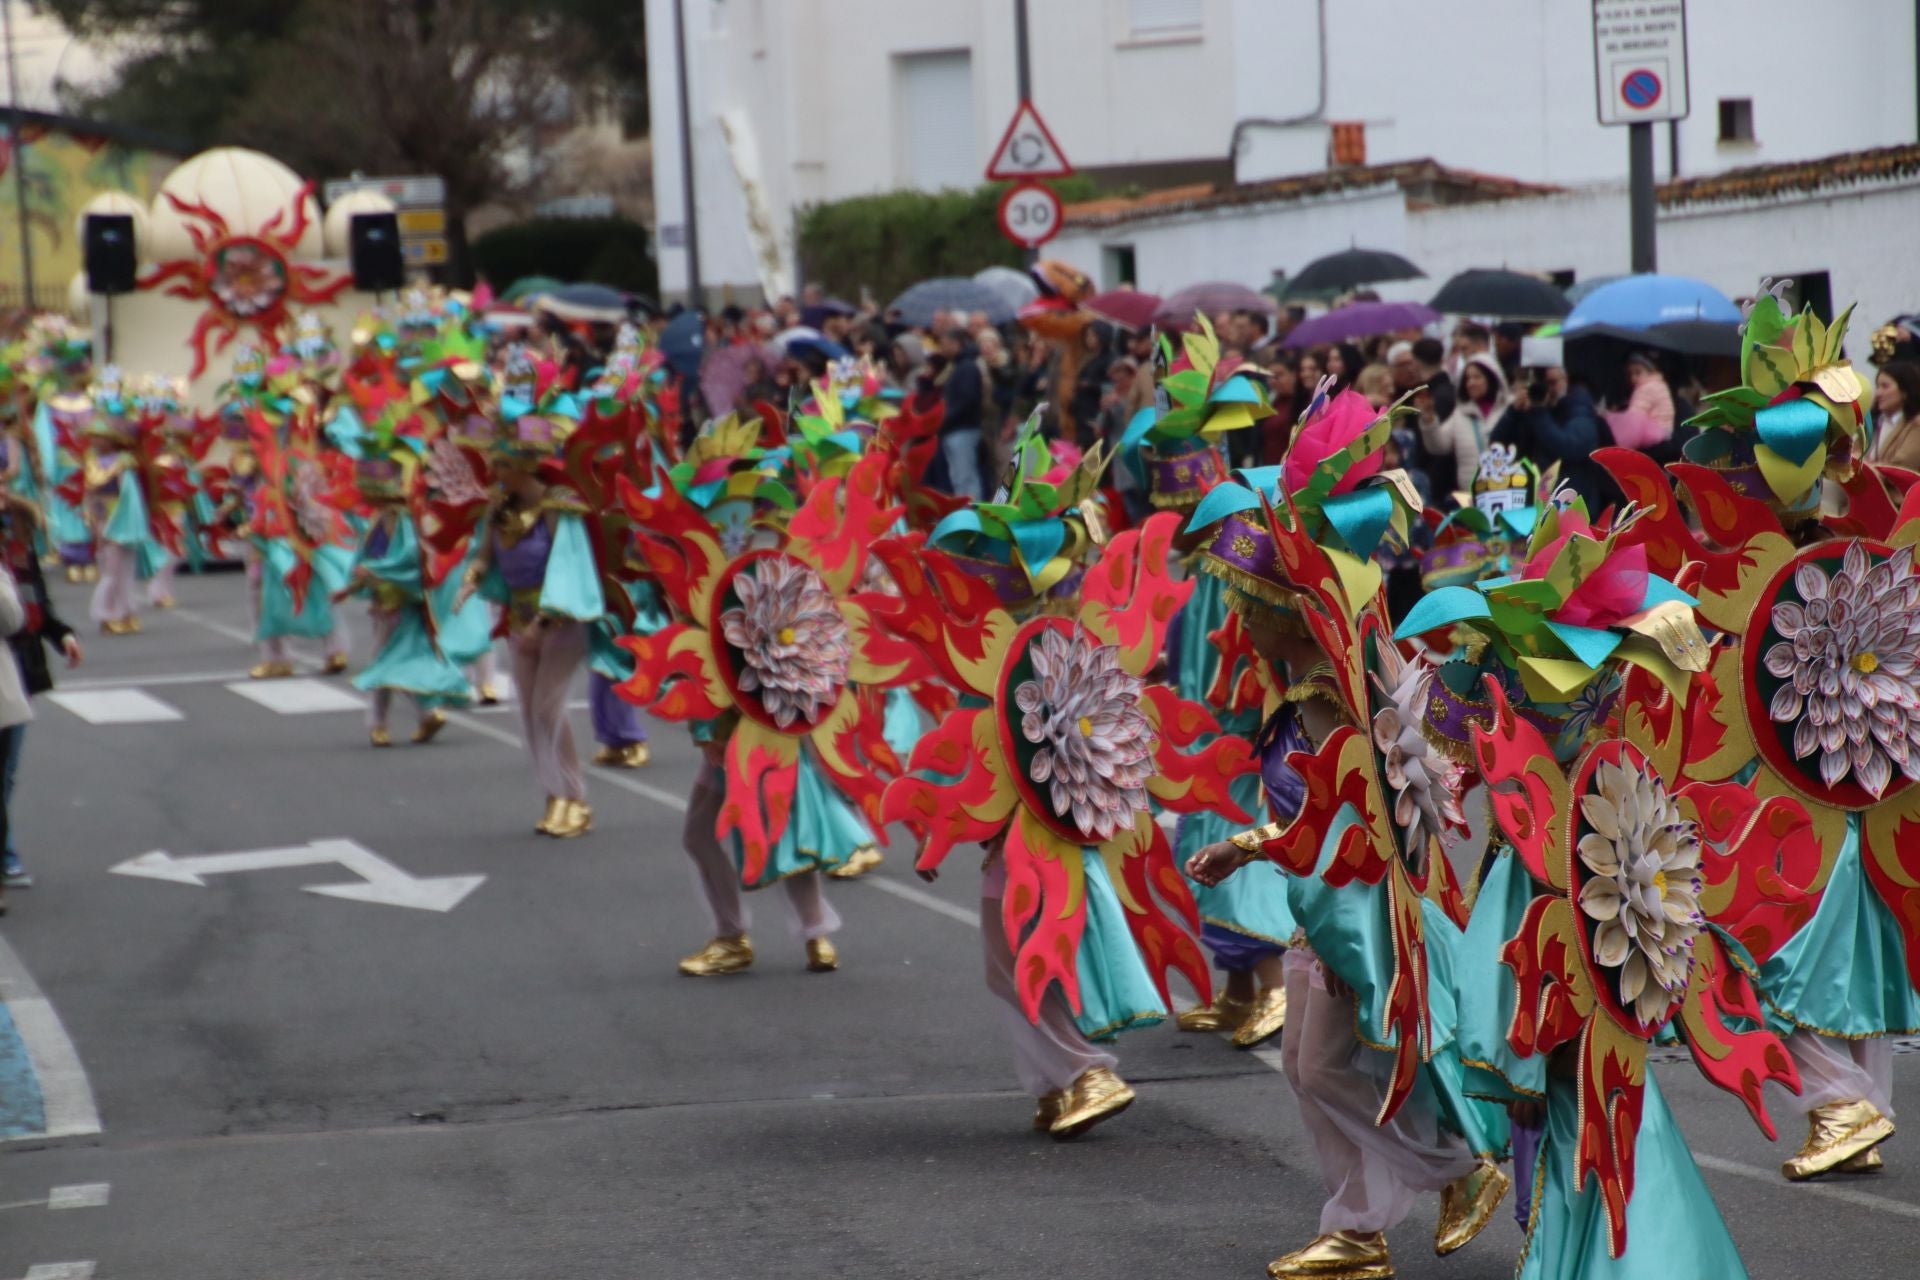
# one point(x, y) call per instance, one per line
point(607, 756)
point(380, 737)
point(1343, 1255)
point(720, 956)
point(271, 671)
point(1867, 1161)
point(430, 726)
point(1224, 1014)
point(334, 665)
point(858, 864)
point(576, 819)
point(1047, 1108)
point(1466, 1206)
point(1097, 1095)
point(489, 695)
point(556, 809)
point(1264, 1022)
point(822, 957)
point(1837, 1132)
point(635, 755)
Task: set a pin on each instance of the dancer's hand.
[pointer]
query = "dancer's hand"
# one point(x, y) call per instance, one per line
point(1216, 862)
point(70, 647)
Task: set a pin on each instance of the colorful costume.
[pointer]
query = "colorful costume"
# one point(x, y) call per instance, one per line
point(1814, 694)
point(58, 361)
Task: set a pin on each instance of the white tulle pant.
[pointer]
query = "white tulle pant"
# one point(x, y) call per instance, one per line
point(717, 877)
point(1048, 1055)
point(1840, 1071)
point(1372, 1172)
point(113, 596)
point(545, 659)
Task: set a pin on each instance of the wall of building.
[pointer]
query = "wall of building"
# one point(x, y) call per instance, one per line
point(63, 169)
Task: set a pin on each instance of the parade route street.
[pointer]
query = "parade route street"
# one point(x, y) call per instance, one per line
point(517, 1084)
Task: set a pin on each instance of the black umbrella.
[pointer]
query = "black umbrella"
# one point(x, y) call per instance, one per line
point(684, 343)
point(1508, 295)
point(1349, 269)
point(952, 294)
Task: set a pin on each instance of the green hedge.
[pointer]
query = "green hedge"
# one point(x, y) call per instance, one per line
point(887, 242)
point(609, 251)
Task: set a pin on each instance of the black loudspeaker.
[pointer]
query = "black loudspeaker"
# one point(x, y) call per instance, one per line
point(378, 265)
point(109, 253)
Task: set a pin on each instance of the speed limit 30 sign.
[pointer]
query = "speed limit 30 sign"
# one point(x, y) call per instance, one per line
point(1030, 214)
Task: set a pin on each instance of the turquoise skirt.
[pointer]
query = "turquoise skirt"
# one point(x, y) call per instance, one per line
point(1674, 1229)
point(409, 663)
point(824, 830)
point(1845, 973)
point(903, 725)
point(1116, 990)
point(1487, 992)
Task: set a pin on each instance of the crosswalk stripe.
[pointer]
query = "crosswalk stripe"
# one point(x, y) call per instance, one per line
point(114, 706)
point(298, 697)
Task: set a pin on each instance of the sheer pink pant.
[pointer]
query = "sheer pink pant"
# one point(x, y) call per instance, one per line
point(161, 588)
point(1840, 1071)
point(545, 659)
point(1048, 1055)
point(1372, 1172)
point(113, 597)
point(718, 879)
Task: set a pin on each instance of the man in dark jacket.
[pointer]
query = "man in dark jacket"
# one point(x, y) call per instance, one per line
point(1552, 419)
point(963, 398)
point(29, 647)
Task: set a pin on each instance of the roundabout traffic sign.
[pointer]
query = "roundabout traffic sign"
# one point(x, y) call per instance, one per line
point(1030, 214)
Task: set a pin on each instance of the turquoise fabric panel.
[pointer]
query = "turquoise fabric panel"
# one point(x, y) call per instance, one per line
point(1116, 991)
point(572, 586)
point(824, 830)
point(277, 616)
point(410, 663)
point(1487, 995)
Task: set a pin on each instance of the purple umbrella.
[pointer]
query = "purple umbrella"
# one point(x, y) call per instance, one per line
point(724, 374)
point(1211, 298)
point(1360, 320)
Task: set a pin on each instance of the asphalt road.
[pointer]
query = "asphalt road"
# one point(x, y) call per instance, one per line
point(292, 1085)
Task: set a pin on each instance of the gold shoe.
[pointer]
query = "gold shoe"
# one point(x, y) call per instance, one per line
point(1837, 1132)
point(857, 865)
point(576, 819)
point(720, 956)
point(1467, 1205)
point(556, 809)
point(1047, 1108)
point(131, 625)
point(1097, 1095)
point(1224, 1014)
point(635, 755)
point(167, 603)
point(380, 737)
point(90, 573)
point(74, 574)
point(334, 665)
point(271, 671)
point(489, 695)
point(430, 725)
point(1268, 1016)
point(1343, 1255)
point(607, 756)
point(822, 957)
point(1867, 1161)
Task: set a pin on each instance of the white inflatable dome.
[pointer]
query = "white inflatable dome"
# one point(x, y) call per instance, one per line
point(340, 214)
point(244, 187)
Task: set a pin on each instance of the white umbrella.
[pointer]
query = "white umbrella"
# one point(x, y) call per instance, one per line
point(1016, 287)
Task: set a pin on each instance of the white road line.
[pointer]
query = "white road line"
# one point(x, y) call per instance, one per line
point(115, 706)
point(61, 1271)
point(923, 898)
point(221, 628)
point(81, 1195)
point(508, 738)
point(135, 682)
point(1843, 1195)
point(298, 697)
point(64, 1091)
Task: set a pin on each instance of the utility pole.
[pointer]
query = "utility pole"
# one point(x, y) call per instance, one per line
point(1640, 194)
point(1023, 75)
point(690, 225)
point(19, 151)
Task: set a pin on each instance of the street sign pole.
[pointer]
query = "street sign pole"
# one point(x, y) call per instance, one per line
point(1024, 76)
point(1640, 195)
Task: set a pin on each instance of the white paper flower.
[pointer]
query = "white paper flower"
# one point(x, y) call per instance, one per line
point(1426, 785)
point(792, 638)
point(1851, 658)
point(1644, 891)
point(1096, 744)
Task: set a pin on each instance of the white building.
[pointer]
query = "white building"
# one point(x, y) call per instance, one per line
point(795, 102)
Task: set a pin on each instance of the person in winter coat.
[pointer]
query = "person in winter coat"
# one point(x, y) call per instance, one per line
point(1553, 420)
point(1896, 415)
point(1455, 443)
point(39, 628)
point(963, 396)
point(15, 711)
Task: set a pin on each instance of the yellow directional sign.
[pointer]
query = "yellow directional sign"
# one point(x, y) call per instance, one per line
point(425, 252)
point(422, 222)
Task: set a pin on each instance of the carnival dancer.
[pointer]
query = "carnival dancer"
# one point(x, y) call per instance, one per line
point(1817, 687)
point(1369, 1047)
point(1081, 912)
point(765, 661)
point(1173, 449)
point(112, 492)
point(59, 360)
point(183, 441)
point(537, 560)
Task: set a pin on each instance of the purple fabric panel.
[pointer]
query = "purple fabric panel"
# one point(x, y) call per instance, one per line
point(524, 564)
point(616, 722)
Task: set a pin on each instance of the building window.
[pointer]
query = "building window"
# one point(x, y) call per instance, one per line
point(934, 145)
point(1117, 268)
point(1808, 289)
point(1348, 144)
point(1157, 18)
point(1736, 120)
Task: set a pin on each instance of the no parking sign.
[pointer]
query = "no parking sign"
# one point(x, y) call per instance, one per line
point(1640, 60)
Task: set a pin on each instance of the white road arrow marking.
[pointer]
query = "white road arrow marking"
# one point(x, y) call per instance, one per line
point(382, 882)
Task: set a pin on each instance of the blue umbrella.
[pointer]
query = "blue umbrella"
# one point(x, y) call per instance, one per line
point(684, 343)
point(953, 294)
point(1640, 302)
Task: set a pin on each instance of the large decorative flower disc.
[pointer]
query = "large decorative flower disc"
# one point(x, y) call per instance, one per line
point(1072, 727)
point(783, 647)
point(1830, 675)
point(248, 277)
point(1635, 886)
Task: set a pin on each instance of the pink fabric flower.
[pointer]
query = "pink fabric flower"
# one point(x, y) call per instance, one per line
point(1339, 425)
